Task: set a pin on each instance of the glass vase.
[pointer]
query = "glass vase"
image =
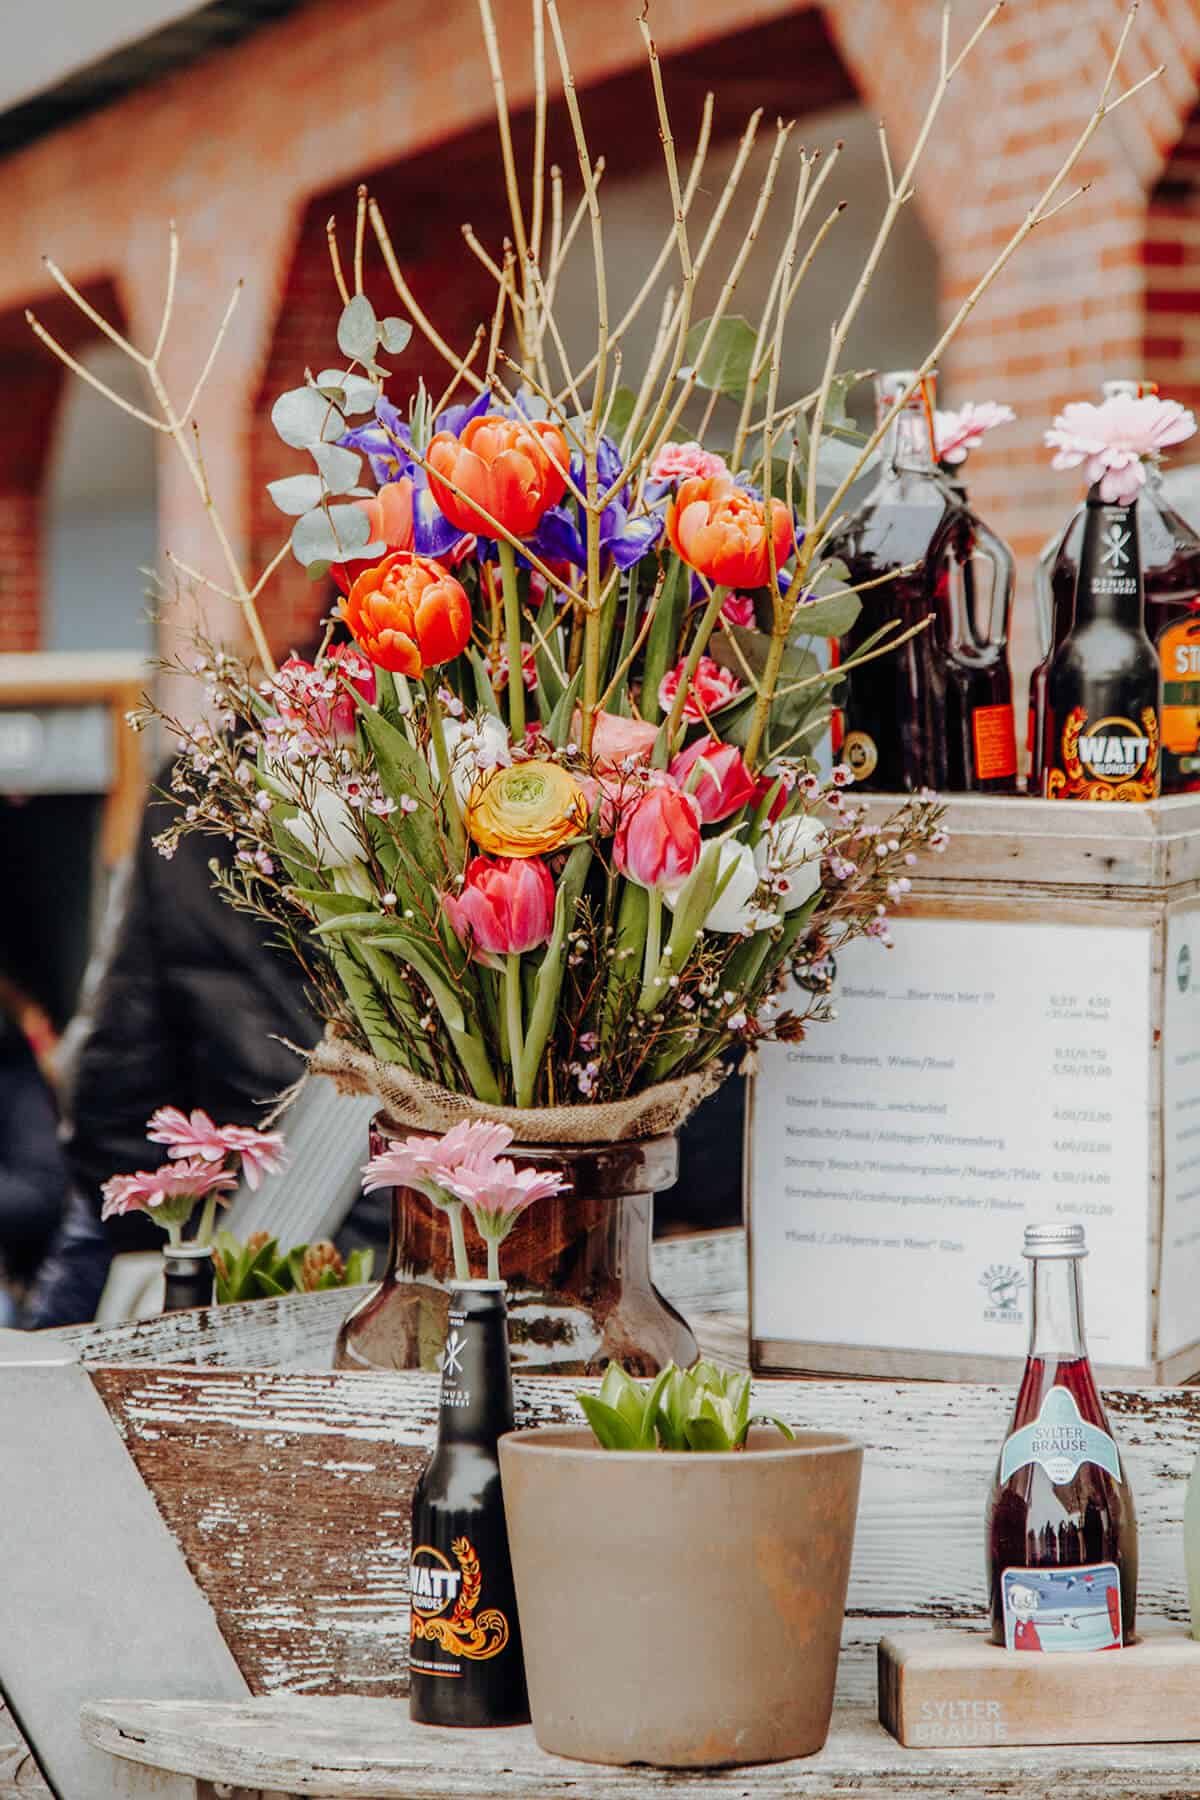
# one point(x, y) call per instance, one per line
point(577, 1270)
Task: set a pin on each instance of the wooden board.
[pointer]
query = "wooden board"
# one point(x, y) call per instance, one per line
point(289, 1494)
point(20, 1777)
point(370, 1750)
point(950, 1689)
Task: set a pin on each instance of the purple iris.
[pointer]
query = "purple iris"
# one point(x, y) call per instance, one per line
point(624, 539)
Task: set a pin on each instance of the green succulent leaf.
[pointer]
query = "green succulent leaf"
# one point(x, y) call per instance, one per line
point(613, 1431)
point(705, 1433)
point(358, 331)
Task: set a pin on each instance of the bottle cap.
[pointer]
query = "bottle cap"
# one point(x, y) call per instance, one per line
point(1055, 1240)
point(1128, 389)
point(894, 382)
point(478, 1287)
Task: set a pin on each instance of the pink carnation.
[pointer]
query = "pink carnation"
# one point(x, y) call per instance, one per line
point(738, 610)
point(1114, 439)
point(711, 687)
point(163, 1190)
point(956, 434)
point(675, 461)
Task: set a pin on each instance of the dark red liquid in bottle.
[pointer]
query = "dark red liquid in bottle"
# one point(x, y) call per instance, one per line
point(1084, 1522)
point(1033, 1523)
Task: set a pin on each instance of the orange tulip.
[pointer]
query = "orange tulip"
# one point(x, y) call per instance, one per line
point(507, 466)
point(720, 530)
point(408, 614)
point(391, 514)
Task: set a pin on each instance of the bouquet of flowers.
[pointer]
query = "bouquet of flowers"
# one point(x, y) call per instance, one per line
point(543, 819)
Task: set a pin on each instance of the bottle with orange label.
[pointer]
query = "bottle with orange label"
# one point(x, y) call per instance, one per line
point(1102, 690)
point(938, 712)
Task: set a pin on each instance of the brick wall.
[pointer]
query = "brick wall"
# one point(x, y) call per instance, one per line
point(251, 149)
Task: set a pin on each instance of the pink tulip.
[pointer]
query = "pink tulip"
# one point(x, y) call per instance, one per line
point(658, 839)
point(724, 784)
point(738, 610)
point(711, 687)
point(615, 738)
point(505, 905)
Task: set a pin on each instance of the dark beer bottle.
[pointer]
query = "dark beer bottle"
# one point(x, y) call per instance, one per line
point(1102, 694)
point(465, 1664)
point(1061, 1528)
point(937, 712)
point(187, 1276)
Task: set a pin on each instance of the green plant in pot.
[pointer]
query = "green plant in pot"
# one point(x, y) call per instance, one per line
point(681, 1503)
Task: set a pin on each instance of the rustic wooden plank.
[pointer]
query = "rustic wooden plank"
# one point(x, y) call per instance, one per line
point(370, 1749)
point(704, 1273)
point(957, 1688)
point(289, 1496)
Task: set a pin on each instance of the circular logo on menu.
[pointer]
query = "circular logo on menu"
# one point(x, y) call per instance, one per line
point(859, 751)
point(1114, 749)
point(433, 1583)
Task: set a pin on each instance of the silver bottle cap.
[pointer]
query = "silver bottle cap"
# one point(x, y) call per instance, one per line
point(1055, 1240)
point(893, 382)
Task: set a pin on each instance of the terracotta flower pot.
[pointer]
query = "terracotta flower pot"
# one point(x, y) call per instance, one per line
point(678, 1609)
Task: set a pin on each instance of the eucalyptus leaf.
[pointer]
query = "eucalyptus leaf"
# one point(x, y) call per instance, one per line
point(394, 334)
point(334, 533)
point(357, 331)
point(296, 494)
point(727, 362)
point(303, 417)
point(360, 391)
point(831, 617)
point(340, 468)
point(620, 412)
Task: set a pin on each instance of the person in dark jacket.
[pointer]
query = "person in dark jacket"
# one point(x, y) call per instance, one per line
point(33, 1174)
point(188, 1011)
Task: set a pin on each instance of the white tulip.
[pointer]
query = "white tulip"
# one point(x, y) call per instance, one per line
point(473, 746)
point(327, 830)
point(734, 908)
point(788, 855)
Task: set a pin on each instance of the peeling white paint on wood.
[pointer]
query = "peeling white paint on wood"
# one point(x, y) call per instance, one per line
point(342, 1749)
point(20, 1777)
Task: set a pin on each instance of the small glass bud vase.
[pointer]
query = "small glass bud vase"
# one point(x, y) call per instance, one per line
point(576, 1268)
point(188, 1276)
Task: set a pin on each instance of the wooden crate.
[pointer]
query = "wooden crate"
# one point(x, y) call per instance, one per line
point(1029, 1051)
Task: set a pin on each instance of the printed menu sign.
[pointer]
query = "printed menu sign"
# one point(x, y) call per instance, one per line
point(1181, 1133)
point(978, 1077)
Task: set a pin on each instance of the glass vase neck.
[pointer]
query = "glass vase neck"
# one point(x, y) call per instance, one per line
point(907, 449)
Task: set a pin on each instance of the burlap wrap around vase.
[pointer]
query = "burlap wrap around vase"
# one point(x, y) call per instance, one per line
point(580, 1292)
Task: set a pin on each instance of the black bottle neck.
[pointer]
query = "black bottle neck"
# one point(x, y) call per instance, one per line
point(187, 1277)
point(1109, 582)
point(476, 1405)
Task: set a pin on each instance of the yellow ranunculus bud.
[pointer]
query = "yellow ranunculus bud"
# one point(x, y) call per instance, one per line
point(526, 810)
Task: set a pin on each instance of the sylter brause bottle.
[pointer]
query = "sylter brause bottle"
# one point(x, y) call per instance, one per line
point(1062, 1542)
point(1102, 693)
point(465, 1663)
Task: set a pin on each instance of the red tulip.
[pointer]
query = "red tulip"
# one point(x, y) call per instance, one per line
point(658, 838)
point(506, 904)
point(762, 788)
point(720, 530)
point(724, 783)
point(513, 468)
point(408, 614)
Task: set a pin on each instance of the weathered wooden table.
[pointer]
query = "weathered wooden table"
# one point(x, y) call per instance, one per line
point(285, 1491)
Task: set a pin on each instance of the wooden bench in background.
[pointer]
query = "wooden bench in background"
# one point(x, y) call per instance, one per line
point(280, 1501)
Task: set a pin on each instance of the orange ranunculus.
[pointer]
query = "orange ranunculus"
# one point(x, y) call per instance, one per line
point(408, 614)
point(720, 530)
point(513, 468)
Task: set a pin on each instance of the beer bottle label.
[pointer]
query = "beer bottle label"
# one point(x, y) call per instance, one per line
point(448, 1624)
point(1179, 655)
point(1055, 1610)
point(1059, 1440)
point(1114, 758)
point(995, 734)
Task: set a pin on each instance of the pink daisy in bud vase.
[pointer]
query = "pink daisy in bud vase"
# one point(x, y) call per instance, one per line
point(1116, 439)
point(956, 434)
point(497, 1196)
point(436, 1166)
point(167, 1195)
point(195, 1135)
